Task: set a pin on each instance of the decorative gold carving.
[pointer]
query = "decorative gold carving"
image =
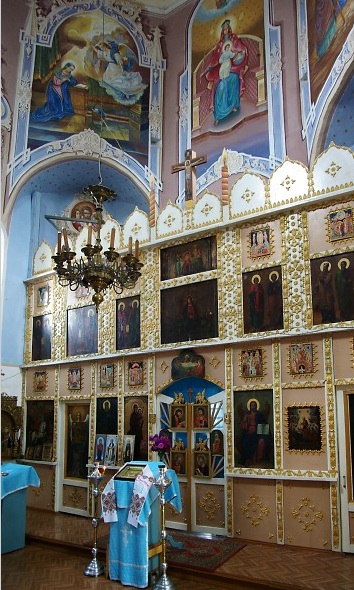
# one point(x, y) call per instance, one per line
point(288, 182)
point(38, 491)
point(254, 510)
point(277, 404)
point(307, 515)
point(330, 403)
point(247, 195)
point(279, 511)
point(333, 169)
point(335, 515)
point(214, 362)
point(75, 497)
point(209, 505)
point(163, 367)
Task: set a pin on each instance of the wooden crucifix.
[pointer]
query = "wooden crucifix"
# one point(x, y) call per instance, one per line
point(189, 164)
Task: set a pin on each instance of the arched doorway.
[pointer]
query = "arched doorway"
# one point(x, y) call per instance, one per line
point(191, 410)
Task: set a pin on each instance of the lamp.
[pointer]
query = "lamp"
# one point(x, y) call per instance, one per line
point(96, 269)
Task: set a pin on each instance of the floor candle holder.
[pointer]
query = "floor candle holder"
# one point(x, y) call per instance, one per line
point(162, 482)
point(95, 568)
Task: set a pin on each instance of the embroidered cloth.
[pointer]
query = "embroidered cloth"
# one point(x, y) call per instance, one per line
point(142, 485)
point(128, 544)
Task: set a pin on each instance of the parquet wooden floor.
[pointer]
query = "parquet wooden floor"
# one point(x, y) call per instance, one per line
point(54, 559)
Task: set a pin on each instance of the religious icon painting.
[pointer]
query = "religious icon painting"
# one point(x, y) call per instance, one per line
point(39, 423)
point(47, 453)
point(217, 442)
point(128, 448)
point(106, 414)
point(82, 292)
point(178, 416)
point(77, 436)
point(254, 429)
point(107, 376)
point(332, 282)
point(37, 452)
point(42, 337)
point(83, 210)
point(304, 429)
point(136, 373)
point(202, 464)
point(260, 239)
point(189, 258)
point(128, 323)
point(100, 448)
point(75, 376)
point(29, 452)
point(263, 300)
point(110, 457)
point(340, 224)
point(42, 295)
point(201, 417)
point(179, 462)
point(301, 359)
point(82, 330)
point(136, 424)
point(189, 312)
point(252, 363)
point(40, 381)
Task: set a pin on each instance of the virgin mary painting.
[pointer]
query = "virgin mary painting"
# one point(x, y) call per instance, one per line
point(58, 104)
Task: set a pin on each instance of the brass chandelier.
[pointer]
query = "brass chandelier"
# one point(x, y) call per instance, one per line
point(97, 270)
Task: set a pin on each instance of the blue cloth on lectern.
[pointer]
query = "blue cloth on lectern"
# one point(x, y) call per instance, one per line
point(18, 478)
point(129, 545)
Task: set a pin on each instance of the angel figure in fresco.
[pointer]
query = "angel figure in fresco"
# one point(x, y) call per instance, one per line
point(114, 64)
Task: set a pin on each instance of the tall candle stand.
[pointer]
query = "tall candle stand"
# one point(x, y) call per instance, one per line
point(95, 568)
point(162, 482)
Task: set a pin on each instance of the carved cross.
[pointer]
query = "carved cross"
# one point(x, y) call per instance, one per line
point(189, 164)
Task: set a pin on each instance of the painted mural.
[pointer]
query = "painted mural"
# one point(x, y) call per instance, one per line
point(90, 79)
point(328, 24)
point(228, 73)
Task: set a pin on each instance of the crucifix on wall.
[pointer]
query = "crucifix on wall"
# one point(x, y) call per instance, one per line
point(189, 165)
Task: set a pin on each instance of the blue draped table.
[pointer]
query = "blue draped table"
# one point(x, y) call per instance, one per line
point(13, 504)
point(129, 546)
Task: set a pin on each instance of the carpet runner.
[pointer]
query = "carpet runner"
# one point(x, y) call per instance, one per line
point(192, 550)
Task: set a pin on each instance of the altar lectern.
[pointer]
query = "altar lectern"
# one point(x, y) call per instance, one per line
point(133, 551)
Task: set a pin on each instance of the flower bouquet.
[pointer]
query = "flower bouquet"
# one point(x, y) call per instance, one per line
point(161, 444)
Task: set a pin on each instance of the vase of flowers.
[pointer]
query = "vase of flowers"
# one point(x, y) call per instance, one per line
point(161, 445)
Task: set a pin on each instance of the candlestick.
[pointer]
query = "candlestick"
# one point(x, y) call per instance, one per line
point(130, 248)
point(95, 568)
point(89, 235)
point(113, 235)
point(59, 243)
point(136, 248)
point(162, 482)
point(65, 236)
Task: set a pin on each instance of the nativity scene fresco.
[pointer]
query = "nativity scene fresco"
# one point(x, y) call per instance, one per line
point(90, 78)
